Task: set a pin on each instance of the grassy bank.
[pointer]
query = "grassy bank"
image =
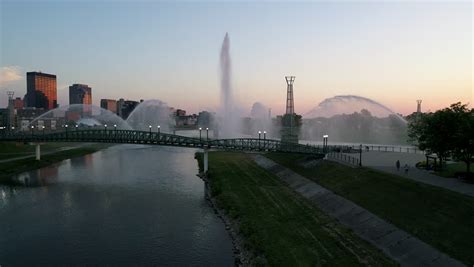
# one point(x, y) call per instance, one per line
point(439, 217)
point(11, 168)
point(18, 149)
point(279, 226)
point(449, 170)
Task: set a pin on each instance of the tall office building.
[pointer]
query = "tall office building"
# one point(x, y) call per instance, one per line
point(80, 94)
point(109, 104)
point(41, 90)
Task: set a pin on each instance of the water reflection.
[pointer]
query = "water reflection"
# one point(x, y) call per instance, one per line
point(127, 205)
point(40, 177)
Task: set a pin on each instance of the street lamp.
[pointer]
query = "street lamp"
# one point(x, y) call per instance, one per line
point(105, 127)
point(115, 127)
point(159, 129)
point(259, 133)
point(65, 126)
point(200, 129)
point(32, 128)
point(77, 126)
point(149, 127)
point(325, 141)
point(43, 129)
point(207, 134)
point(264, 135)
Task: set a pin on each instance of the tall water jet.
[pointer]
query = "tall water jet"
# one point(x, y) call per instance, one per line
point(228, 118)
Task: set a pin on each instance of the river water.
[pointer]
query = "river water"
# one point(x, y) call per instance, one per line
point(126, 205)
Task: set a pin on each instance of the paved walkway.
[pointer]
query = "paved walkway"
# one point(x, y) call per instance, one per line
point(385, 161)
point(397, 244)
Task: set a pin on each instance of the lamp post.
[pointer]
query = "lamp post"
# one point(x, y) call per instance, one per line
point(43, 129)
point(77, 126)
point(325, 142)
point(360, 156)
point(259, 134)
point(105, 128)
point(32, 129)
point(115, 127)
point(264, 135)
point(159, 129)
point(149, 127)
point(200, 129)
point(207, 134)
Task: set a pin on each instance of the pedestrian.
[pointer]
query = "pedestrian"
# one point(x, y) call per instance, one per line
point(398, 165)
point(406, 168)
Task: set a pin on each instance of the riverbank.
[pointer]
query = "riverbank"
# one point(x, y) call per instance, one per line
point(437, 216)
point(278, 226)
point(12, 168)
point(242, 256)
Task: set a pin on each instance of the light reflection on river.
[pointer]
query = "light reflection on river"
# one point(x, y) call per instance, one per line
point(127, 205)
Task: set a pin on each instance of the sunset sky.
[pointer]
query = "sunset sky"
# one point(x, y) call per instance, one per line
point(392, 52)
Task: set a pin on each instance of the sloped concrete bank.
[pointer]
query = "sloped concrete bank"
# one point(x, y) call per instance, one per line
point(395, 243)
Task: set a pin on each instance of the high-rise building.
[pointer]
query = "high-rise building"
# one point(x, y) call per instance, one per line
point(18, 103)
point(80, 94)
point(109, 104)
point(41, 90)
point(127, 107)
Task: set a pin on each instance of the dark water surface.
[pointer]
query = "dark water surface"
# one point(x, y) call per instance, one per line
point(127, 205)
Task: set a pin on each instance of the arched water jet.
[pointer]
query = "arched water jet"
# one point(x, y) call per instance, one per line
point(86, 115)
point(348, 104)
point(152, 112)
point(349, 118)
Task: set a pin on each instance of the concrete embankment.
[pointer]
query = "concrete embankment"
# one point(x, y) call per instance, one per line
point(397, 244)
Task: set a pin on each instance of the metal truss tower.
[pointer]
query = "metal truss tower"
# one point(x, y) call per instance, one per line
point(290, 104)
point(418, 106)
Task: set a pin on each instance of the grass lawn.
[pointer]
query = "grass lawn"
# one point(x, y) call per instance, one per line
point(450, 169)
point(11, 168)
point(279, 226)
point(440, 217)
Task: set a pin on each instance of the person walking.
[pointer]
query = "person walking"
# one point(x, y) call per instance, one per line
point(406, 168)
point(398, 165)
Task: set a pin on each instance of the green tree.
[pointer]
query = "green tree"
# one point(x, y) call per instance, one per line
point(445, 132)
point(463, 137)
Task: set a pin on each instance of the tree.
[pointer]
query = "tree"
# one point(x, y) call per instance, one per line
point(446, 132)
point(463, 145)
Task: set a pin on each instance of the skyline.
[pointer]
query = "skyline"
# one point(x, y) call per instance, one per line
point(170, 51)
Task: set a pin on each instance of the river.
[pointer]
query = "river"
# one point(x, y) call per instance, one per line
point(126, 205)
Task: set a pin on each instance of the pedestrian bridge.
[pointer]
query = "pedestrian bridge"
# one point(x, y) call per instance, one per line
point(157, 138)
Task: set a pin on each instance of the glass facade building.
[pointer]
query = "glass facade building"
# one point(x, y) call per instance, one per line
point(41, 90)
point(80, 94)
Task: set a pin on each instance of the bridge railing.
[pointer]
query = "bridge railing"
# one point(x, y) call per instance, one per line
point(353, 161)
point(146, 137)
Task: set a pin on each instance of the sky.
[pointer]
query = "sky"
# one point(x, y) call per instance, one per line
point(391, 52)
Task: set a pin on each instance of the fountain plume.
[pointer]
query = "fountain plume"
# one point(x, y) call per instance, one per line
point(228, 116)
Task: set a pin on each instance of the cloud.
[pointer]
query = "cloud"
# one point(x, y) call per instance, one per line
point(10, 74)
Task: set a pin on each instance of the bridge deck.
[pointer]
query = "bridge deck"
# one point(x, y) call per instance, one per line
point(155, 138)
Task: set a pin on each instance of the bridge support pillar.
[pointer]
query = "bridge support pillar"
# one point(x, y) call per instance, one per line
point(38, 152)
point(206, 160)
